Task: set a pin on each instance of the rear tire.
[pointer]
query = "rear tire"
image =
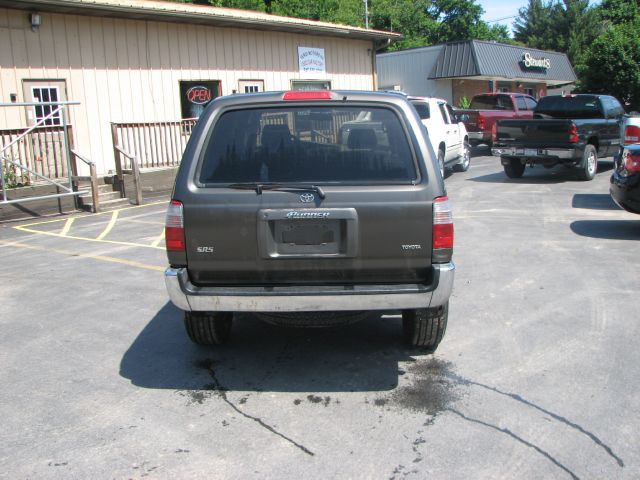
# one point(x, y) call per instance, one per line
point(425, 327)
point(514, 169)
point(208, 328)
point(465, 161)
point(589, 165)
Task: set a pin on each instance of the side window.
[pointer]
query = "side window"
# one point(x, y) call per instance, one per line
point(614, 106)
point(423, 110)
point(452, 115)
point(520, 102)
point(504, 103)
point(443, 111)
point(531, 103)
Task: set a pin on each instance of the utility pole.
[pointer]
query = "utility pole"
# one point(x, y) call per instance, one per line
point(366, 13)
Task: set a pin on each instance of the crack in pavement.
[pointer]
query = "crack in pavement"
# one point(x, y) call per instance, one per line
point(518, 398)
point(221, 392)
point(508, 432)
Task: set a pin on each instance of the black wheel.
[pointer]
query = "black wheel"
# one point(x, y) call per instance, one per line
point(208, 328)
point(425, 327)
point(441, 161)
point(589, 165)
point(514, 169)
point(465, 160)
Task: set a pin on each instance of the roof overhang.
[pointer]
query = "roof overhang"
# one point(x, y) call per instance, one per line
point(197, 14)
point(555, 83)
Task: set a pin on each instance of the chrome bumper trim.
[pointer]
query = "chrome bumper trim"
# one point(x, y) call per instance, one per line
point(562, 153)
point(189, 297)
point(477, 135)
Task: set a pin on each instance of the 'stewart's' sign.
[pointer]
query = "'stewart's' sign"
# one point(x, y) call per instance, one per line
point(311, 61)
point(530, 62)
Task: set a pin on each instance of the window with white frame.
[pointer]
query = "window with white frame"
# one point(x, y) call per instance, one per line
point(46, 94)
point(251, 86)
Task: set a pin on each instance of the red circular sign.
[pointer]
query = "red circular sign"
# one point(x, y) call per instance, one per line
point(199, 95)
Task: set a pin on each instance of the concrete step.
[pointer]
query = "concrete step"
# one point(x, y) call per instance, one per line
point(86, 199)
point(107, 204)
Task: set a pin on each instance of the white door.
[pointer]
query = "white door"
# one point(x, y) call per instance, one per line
point(451, 134)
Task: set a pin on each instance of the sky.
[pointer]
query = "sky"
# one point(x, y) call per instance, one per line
point(496, 9)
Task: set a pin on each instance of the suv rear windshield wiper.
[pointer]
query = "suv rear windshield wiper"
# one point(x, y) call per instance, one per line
point(259, 187)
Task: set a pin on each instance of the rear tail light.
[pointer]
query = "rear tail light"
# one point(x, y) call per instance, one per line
point(631, 134)
point(631, 162)
point(482, 122)
point(442, 231)
point(307, 95)
point(494, 133)
point(174, 228)
point(573, 133)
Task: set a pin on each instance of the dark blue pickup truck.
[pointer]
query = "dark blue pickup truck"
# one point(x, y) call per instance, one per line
point(574, 130)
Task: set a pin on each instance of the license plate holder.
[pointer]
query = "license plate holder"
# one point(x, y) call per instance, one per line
point(299, 233)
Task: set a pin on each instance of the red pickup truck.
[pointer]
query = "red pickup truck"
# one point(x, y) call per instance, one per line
point(486, 108)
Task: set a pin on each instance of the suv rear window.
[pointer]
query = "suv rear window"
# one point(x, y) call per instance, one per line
point(308, 144)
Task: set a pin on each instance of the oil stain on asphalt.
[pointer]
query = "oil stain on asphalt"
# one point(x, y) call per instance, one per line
point(432, 390)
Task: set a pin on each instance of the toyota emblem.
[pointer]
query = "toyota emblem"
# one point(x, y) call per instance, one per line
point(307, 198)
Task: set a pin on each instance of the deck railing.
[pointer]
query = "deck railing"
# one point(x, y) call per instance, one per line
point(154, 144)
point(43, 150)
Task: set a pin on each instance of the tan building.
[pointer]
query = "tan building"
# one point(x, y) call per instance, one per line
point(139, 68)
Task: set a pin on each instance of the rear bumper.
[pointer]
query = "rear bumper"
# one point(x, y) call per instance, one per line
point(479, 137)
point(625, 191)
point(189, 297)
point(537, 153)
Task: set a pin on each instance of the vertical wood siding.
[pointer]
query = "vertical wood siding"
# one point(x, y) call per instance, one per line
point(129, 70)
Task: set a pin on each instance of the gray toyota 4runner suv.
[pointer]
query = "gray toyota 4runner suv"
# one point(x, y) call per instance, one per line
point(310, 208)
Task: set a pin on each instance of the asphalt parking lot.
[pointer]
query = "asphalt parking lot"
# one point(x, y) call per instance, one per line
point(536, 376)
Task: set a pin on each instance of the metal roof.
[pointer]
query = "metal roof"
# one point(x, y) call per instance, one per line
point(475, 58)
point(197, 14)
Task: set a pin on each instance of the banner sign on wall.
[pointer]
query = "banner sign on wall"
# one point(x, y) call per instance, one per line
point(311, 61)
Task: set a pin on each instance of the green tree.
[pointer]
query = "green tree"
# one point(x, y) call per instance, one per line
point(346, 12)
point(422, 22)
point(612, 62)
point(536, 23)
point(618, 12)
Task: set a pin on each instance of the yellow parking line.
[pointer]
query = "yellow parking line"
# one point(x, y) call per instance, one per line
point(67, 226)
point(90, 215)
point(111, 224)
point(103, 258)
point(157, 241)
point(86, 239)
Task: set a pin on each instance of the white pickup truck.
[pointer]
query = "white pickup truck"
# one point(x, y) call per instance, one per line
point(448, 136)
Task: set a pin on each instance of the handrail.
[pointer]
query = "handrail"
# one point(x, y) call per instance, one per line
point(88, 162)
point(93, 178)
point(135, 170)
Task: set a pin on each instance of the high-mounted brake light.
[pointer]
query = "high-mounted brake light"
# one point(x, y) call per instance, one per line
point(631, 134)
point(308, 95)
point(573, 133)
point(442, 231)
point(174, 228)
